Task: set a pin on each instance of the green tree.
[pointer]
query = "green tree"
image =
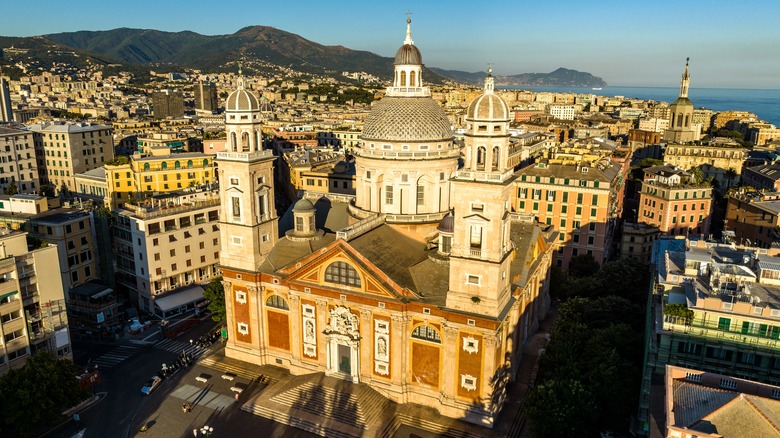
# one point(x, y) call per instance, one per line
point(37, 393)
point(11, 188)
point(215, 293)
point(730, 175)
point(560, 408)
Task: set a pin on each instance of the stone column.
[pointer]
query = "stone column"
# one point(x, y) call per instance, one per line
point(450, 376)
point(230, 320)
point(296, 346)
point(322, 341)
point(366, 345)
point(255, 297)
point(400, 353)
point(489, 342)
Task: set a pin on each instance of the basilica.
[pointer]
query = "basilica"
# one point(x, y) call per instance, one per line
point(423, 286)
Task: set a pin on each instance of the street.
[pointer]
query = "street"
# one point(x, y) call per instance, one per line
point(124, 368)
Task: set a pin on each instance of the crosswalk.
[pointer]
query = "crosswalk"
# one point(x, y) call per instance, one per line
point(177, 347)
point(115, 356)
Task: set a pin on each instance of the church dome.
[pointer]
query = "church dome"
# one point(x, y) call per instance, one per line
point(447, 224)
point(412, 119)
point(488, 107)
point(302, 206)
point(408, 54)
point(242, 100)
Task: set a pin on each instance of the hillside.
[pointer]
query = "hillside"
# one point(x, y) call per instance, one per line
point(259, 43)
point(561, 77)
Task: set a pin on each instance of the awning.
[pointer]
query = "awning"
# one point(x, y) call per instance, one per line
point(181, 298)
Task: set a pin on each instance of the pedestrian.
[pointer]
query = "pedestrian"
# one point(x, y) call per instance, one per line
point(236, 396)
point(195, 433)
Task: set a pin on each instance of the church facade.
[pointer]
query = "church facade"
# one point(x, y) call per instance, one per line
point(424, 287)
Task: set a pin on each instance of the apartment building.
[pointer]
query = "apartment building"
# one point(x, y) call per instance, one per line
point(32, 302)
point(637, 241)
point(206, 96)
point(168, 103)
point(714, 159)
point(580, 201)
point(71, 231)
point(673, 201)
point(17, 161)
point(562, 112)
point(164, 247)
point(753, 217)
point(64, 149)
point(149, 174)
point(732, 294)
point(764, 177)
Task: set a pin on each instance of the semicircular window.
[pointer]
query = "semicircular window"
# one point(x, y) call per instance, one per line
point(342, 273)
point(277, 302)
point(426, 333)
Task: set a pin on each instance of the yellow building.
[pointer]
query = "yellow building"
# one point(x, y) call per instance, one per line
point(715, 159)
point(145, 176)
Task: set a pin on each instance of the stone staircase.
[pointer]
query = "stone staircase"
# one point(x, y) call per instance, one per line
point(438, 428)
point(322, 405)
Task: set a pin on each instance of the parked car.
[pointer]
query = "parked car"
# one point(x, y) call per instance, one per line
point(151, 385)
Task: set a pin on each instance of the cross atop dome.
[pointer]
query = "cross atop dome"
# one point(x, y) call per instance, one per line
point(409, 39)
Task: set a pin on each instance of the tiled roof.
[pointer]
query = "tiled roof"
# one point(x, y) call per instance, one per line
point(242, 100)
point(411, 119)
point(488, 107)
point(408, 54)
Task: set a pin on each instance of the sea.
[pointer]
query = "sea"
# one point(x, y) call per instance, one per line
point(764, 103)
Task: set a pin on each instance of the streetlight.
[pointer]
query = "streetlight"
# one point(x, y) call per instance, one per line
point(206, 430)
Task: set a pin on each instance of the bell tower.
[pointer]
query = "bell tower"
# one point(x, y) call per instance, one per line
point(481, 246)
point(248, 220)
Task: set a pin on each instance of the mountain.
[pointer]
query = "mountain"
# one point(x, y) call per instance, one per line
point(257, 47)
point(253, 43)
point(561, 77)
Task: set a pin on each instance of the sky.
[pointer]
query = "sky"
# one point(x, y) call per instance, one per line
point(731, 44)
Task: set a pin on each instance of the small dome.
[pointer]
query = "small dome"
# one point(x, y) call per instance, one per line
point(242, 100)
point(488, 107)
point(303, 206)
point(411, 119)
point(447, 224)
point(408, 54)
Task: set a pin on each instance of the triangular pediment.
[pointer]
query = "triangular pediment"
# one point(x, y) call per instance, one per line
point(476, 216)
point(350, 272)
point(233, 189)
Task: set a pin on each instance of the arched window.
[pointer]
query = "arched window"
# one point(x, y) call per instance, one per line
point(205, 163)
point(342, 273)
point(177, 165)
point(481, 158)
point(277, 302)
point(426, 333)
point(233, 142)
point(687, 122)
point(413, 78)
point(244, 141)
point(189, 164)
point(146, 167)
point(496, 157)
point(403, 78)
point(164, 165)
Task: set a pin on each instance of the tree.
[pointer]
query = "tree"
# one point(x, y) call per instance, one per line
point(730, 175)
point(560, 408)
point(37, 394)
point(11, 188)
point(215, 293)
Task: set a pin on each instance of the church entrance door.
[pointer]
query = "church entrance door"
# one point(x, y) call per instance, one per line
point(344, 359)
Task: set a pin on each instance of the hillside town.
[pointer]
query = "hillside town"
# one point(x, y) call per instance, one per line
point(350, 217)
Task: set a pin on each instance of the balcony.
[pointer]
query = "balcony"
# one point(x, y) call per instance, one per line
point(711, 331)
point(245, 156)
point(396, 155)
